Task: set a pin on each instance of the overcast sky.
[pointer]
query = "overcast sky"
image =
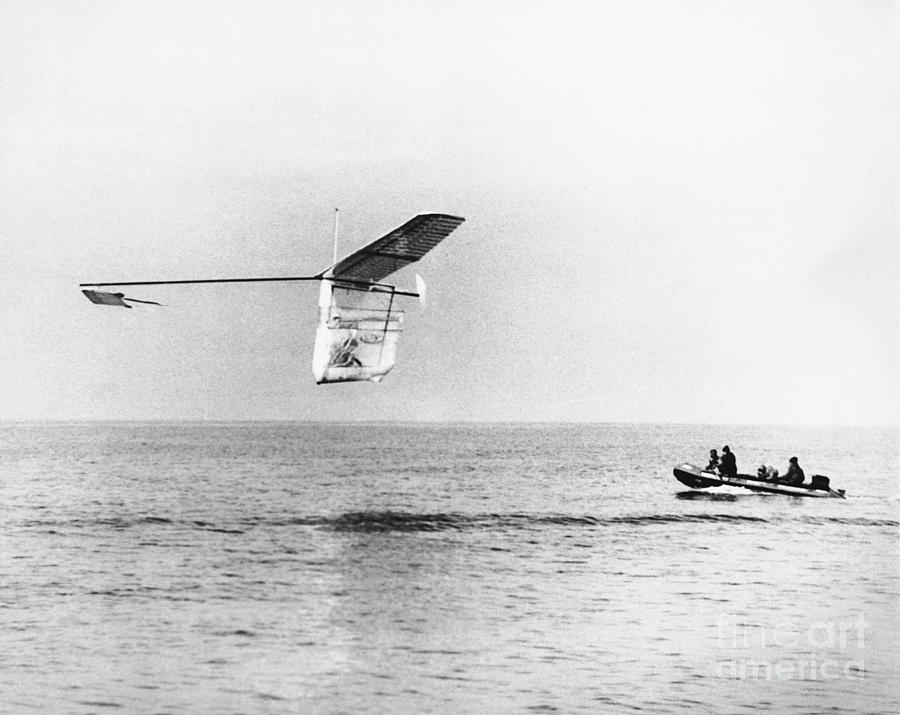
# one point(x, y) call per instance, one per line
point(676, 211)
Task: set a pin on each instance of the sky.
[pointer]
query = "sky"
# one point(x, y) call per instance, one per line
point(675, 211)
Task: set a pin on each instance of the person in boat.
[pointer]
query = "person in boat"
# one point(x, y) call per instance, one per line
point(794, 475)
point(728, 467)
point(767, 472)
point(713, 461)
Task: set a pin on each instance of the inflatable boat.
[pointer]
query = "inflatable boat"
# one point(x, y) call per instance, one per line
point(697, 478)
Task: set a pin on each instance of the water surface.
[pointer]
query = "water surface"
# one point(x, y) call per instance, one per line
point(278, 567)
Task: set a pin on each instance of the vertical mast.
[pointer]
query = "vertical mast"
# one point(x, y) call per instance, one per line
point(334, 250)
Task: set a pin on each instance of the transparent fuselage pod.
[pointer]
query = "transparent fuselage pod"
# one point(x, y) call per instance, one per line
point(357, 334)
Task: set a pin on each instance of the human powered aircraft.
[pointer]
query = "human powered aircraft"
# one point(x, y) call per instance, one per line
point(359, 321)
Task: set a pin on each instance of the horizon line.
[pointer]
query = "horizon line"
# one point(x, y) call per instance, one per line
point(291, 420)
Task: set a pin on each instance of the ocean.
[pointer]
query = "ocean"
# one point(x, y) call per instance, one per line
point(355, 568)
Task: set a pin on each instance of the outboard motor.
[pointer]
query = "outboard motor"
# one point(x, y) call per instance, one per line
point(820, 481)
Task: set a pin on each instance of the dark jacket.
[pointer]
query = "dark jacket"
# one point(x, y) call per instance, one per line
point(728, 467)
point(794, 475)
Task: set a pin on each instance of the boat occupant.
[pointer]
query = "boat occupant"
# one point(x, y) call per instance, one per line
point(794, 475)
point(713, 461)
point(767, 472)
point(728, 467)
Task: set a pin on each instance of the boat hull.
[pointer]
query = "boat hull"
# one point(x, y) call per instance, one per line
point(697, 478)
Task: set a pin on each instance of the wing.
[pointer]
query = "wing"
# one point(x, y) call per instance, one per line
point(402, 246)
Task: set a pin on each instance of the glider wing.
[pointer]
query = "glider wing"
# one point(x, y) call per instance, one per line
point(402, 246)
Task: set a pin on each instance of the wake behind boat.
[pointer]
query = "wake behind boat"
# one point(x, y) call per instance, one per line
point(697, 478)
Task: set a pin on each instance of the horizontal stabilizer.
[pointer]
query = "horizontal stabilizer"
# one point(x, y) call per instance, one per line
point(103, 298)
